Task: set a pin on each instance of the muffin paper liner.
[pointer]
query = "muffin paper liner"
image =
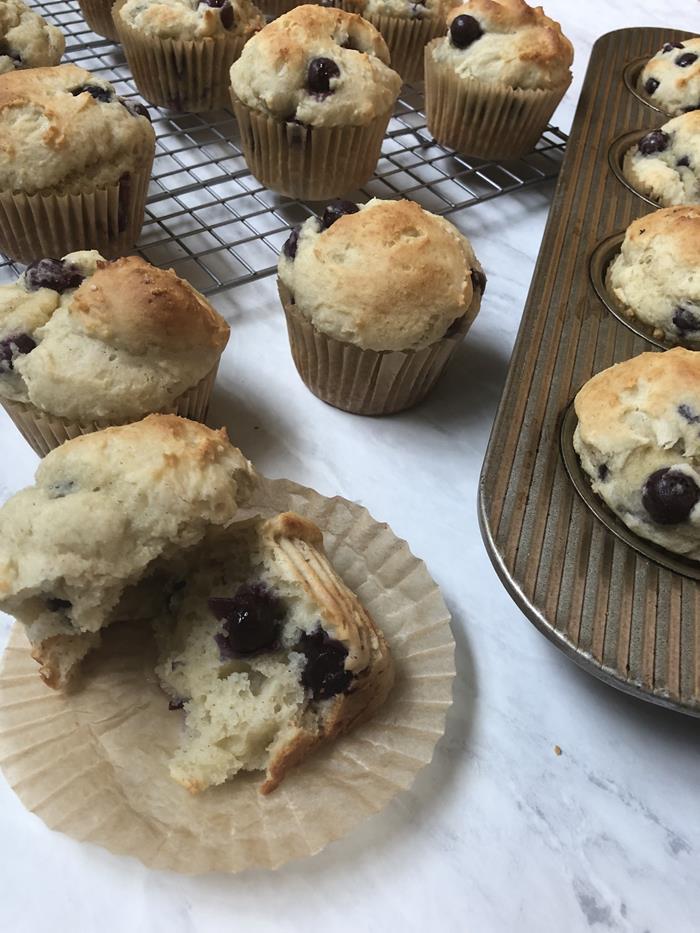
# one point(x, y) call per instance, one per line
point(94, 763)
point(367, 382)
point(489, 121)
point(314, 163)
point(108, 219)
point(406, 39)
point(43, 431)
point(98, 16)
point(188, 76)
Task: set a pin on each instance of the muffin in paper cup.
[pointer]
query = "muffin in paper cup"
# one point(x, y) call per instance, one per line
point(98, 16)
point(494, 80)
point(89, 192)
point(312, 127)
point(406, 39)
point(187, 74)
point(377, 298)
point(141, 341)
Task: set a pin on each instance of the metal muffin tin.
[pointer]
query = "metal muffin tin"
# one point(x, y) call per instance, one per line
point(621, 607)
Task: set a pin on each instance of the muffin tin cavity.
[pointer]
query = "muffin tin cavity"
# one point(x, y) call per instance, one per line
point(631, 75)
point(616, 156)
point(582, 485)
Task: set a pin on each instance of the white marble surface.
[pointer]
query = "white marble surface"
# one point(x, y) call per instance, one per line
point(498, 833)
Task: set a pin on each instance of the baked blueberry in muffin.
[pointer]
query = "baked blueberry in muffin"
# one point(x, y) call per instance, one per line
point(638, 440)
point(665, 163)
point(671, 79)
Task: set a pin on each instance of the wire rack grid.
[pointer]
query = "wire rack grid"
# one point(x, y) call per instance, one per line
point(211, 221)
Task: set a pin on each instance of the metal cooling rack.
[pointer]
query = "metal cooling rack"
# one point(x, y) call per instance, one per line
point(209, 219)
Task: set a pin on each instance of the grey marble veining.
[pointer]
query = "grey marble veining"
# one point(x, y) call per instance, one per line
point(499, 833)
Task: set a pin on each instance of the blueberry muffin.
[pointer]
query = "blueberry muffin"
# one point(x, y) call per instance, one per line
point(313, 93)
point(638, 441)
point(269, 653)
point(377, 298)
point(180, 51)
point(665, 164)
point(106, 511)
point(138, 340)
point(494, 81)
point(407, 27)
point(655, 276)
point(26, 39)
point(75, 161)
point(671, 79)
point(98, 16)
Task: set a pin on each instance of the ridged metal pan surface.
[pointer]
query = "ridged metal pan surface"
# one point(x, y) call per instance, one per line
point(613, 603)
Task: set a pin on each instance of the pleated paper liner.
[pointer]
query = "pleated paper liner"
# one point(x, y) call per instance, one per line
point(367, 382)
point(43, 431)
point(98, 16)
point(108, 219)
point(489, 121)
point(406, 38)
point(189, 76)
point(314, 163)
point(94, 763)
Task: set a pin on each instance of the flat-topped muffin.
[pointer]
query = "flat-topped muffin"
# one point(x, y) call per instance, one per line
point(655, 277)
point(377, 298)
point(85, 341)
point(104, 509)
point(64, 131)
point(26, 39)
point(671, 79)
point(665, 164)
point(268, 652)
point(638, 441)
point(494, 80)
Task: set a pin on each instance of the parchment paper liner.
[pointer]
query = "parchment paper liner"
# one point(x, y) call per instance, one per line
point(43, 431)
point(406, 38)
point(489, 121)
point(188, 76)
point(312, 163)
point(107, 219)
point(98, 16)
point(367, 382)
point(94, 764)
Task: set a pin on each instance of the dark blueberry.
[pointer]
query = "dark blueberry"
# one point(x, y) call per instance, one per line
point(175, 596)
point(136, 109)
point(51, 273)
point(324, 673)
point(318, 77)
point(669, 496)
point(10, 52)
point(656, 141)
point(124, 204)
point(685, 411)
point(12, 347)
point(54, 604)
point(417, 10)
point(651, 85)
point(603, 472)
point(61, 489)
point(251, 620)
point(103, 94)
point(670, 46)
point(478, 280)
point(176, 704)
point(226, 11)
point(335, 210)
point(691, 108)
point(683, 162)
point(685, 320)
point(290, 244)
point(464, 30)
point(687, 58)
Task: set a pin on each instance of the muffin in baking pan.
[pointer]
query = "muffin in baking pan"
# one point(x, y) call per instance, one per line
point(140, 340)
point(89, 192)
point(654, 278)
point(671, 79)
point(180, 51)
point(103, 510)
point(638, 441)
point(26, 39)
point(495, 79)
point(377, 298)
point(268, 652)
point(665, 164)
point(313, 93)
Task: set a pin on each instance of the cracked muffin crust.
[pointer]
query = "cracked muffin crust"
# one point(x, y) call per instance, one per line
point(671, 79)
point(26, 39)
point(665, 164)
point(192, 19)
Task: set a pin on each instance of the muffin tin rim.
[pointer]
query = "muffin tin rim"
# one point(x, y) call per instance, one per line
point(630, 76)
